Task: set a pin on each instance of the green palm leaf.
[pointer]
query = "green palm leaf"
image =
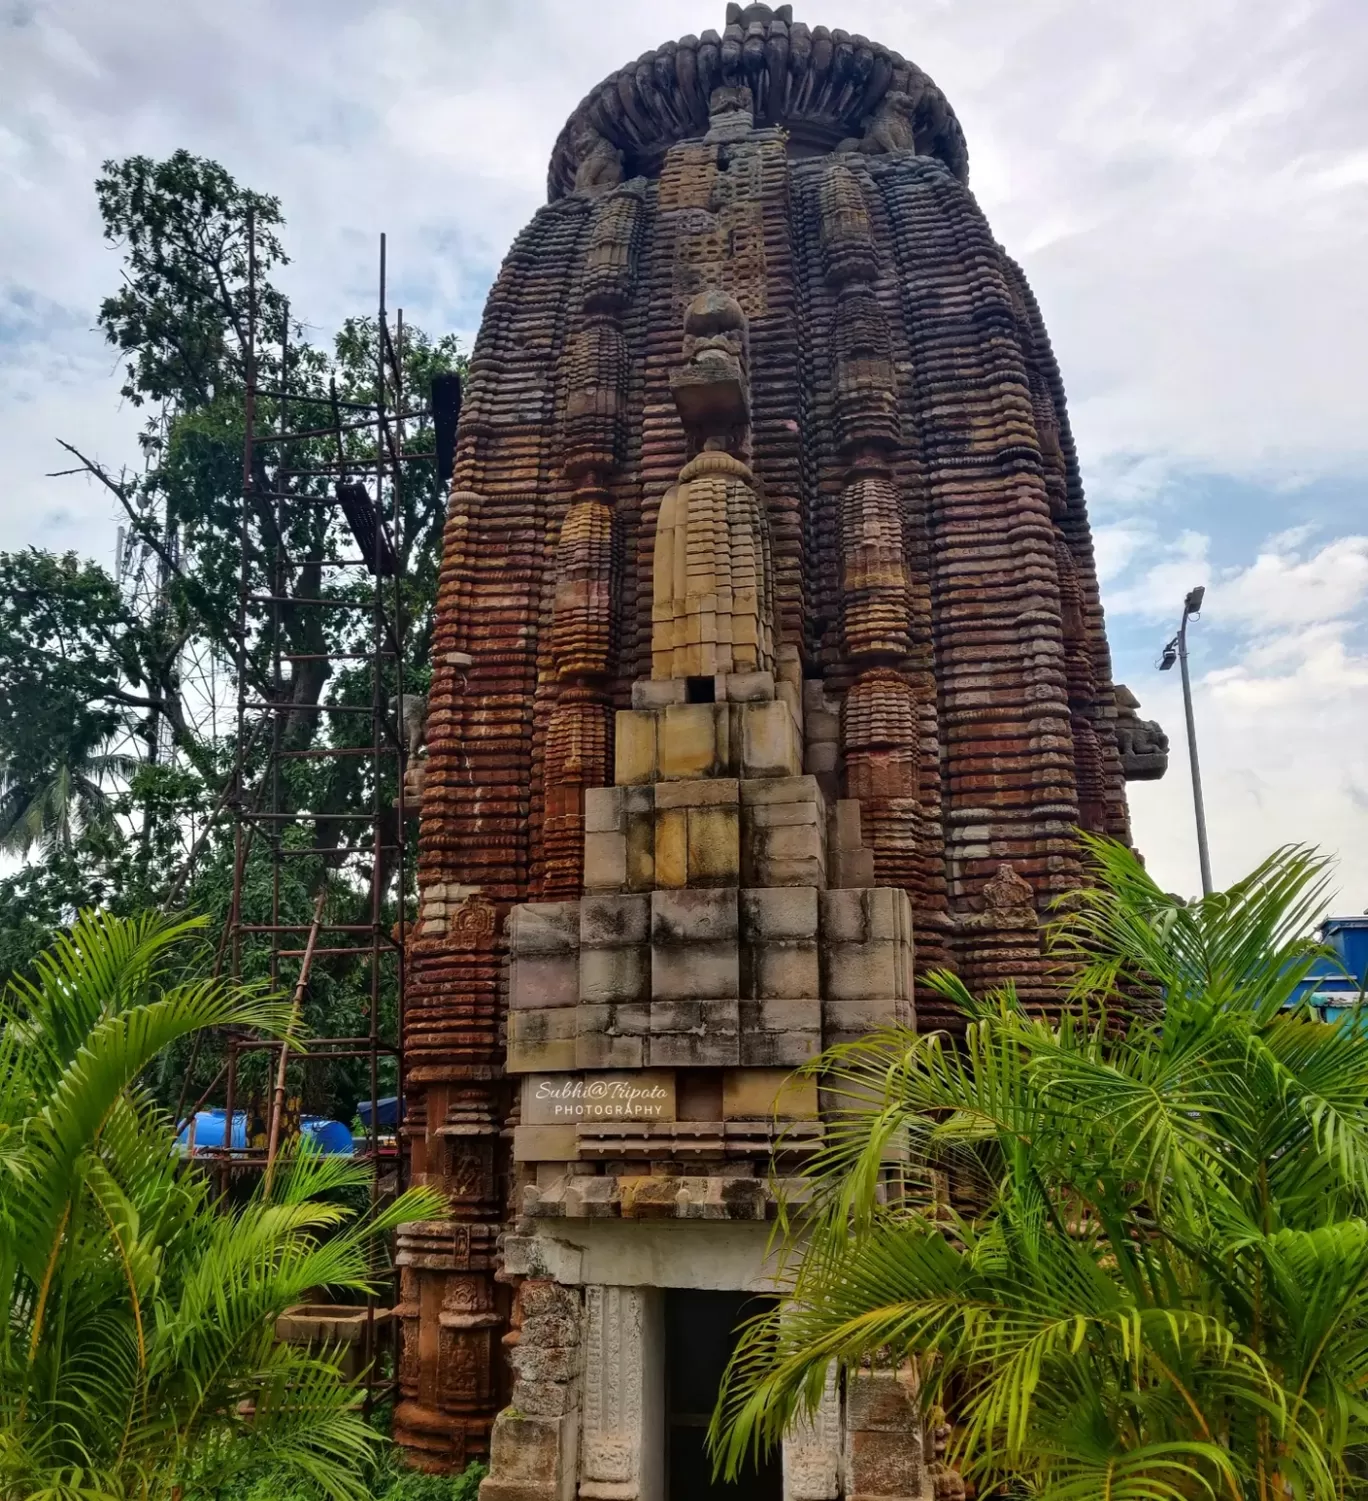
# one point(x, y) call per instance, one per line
point(1127, 1247)
point(139, 1357)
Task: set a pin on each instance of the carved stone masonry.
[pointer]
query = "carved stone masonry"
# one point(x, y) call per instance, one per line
point(812, 1450)
point(584, 617)
point(712, 605)
point(806, 604)
point(1143, 745)
point(621, 1444)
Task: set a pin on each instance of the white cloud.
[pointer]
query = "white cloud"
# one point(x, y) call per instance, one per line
point(1284, 588)
point(1181, 565)
point(1282, 719)
point(1116, 544)
point(1185, 181)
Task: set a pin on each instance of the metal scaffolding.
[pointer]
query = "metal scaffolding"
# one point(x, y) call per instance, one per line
point(351, 508)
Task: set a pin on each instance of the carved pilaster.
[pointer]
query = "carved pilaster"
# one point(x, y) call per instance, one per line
point(450, 1319)
point(584, 626)
point(882, 753)
point(812, 1450)
point(534, 1449)
point(577, 749)
point(620, 1453)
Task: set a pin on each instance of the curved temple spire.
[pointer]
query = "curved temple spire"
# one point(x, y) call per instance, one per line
point(768, 670)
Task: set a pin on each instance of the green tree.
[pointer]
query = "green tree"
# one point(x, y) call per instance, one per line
point(138, 1358)
point(1149, 1275)
point(183, 323)
point(63, 686)
point(118, 727)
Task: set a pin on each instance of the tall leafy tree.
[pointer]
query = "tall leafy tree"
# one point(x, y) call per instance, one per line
point(119, 712)
point(1128, 1248)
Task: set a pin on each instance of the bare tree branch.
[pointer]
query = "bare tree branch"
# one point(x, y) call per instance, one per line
point(219, 628)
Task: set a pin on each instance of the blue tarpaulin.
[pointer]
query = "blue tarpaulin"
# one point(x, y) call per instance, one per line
point(327, 1136)
point(389, 1111)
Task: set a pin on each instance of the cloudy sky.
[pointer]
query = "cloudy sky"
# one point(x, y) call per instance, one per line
point(1185, 181)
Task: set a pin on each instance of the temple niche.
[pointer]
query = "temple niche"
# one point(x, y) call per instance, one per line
point(769, 671)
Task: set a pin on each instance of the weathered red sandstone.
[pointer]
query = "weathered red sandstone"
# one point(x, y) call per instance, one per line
point(925, 545)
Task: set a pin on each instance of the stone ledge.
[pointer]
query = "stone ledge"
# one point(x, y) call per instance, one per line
point(683, 1197)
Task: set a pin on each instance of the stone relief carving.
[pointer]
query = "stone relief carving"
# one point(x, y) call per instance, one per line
point(1008, 903)
point(1007, 892)
point(598, 162)
point(410, 710)
point(890, 128)
point(1143, 745)
point(812, 1450)
point(731, 112)
point(473, 923)
point(612, 1437)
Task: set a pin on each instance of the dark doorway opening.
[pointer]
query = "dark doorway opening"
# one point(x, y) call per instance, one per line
point(700, 1334)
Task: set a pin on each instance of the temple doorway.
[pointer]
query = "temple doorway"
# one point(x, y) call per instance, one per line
point(700, 1335)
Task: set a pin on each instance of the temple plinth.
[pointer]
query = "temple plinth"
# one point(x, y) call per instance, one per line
point(768, 554)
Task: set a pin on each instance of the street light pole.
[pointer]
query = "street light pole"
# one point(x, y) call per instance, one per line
point(1192, 606)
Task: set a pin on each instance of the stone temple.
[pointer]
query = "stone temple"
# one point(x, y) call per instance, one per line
point(769, 671)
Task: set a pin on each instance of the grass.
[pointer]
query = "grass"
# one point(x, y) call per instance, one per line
point(391, 1480)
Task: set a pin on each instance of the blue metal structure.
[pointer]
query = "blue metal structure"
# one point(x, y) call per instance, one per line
point(1333, 987)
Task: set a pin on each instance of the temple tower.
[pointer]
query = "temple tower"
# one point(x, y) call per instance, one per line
point(768, 552)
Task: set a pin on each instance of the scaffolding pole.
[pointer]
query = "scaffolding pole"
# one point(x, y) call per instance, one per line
point(282, 501)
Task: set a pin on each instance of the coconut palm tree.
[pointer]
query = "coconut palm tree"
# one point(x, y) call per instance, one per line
point(138, 1357)
point(1126, 1247)
point(52, 808)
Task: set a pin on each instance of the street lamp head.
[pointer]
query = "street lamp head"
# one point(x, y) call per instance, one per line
point(1193, 603)
point(1170, 655)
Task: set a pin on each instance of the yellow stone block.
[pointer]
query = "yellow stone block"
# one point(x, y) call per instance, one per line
point(545, 1143)
point(769, 741)
point(605, 862)
point(723, 720)
point(634, 763)
point(640, 852)
point(764, 1093)
point(715, 846)
point(541, 1041)
point(688, 742)
point(672, 848)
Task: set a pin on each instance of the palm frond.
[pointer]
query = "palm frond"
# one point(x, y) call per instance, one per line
point(1127, 1245)
point(141, 1313)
